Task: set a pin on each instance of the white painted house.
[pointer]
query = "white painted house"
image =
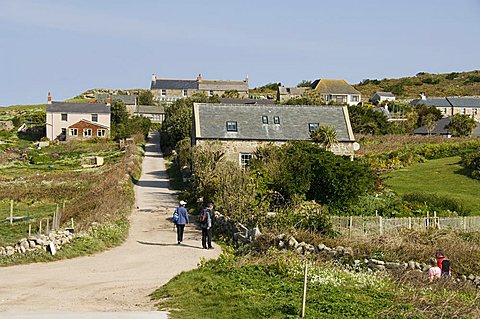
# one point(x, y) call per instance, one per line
point(77, 120)
point(379, 97)
point(337, 91)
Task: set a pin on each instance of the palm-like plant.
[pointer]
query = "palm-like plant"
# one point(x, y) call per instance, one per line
point(325, 135)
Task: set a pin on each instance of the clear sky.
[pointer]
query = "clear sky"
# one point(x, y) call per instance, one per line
point(67, 47)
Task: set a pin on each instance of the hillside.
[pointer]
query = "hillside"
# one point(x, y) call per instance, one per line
point(446, 84)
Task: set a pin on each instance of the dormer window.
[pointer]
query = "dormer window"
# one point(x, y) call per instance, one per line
point(312, 126)
point(264, 119)
point(231, 126)
point(276, 119)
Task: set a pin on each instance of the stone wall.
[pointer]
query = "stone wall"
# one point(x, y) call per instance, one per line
point(38, 242)
point(346, 255)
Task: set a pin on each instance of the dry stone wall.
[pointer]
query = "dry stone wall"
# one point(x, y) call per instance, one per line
point(38, 242)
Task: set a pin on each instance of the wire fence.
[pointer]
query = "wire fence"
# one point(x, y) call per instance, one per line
point(370, 226)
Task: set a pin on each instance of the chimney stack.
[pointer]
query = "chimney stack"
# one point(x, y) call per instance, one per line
point(199, 77)
point(423, 96)
point(49, 98)
point(109, 101)
point(154, 78)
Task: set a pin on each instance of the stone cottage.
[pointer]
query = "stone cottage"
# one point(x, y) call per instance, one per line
point(242, 128)
point(170, 90)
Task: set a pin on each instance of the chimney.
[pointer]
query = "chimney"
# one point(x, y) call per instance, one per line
point(199, 77)
point(154, 78)
point(49, 98)
point(423, 96)
point(109, 101)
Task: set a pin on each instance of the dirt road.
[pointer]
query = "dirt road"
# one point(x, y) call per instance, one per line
point(121, 278)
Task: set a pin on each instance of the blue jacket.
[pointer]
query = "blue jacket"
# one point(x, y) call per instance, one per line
point(182, 216)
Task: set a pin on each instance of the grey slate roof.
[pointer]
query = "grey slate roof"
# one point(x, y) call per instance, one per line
point(441, 130)
point(173, 84)
point(210, 121)
point(292, 90)
point(127, 99)
point(473, 102)
point(247, 101)
point(464, 101)
point(66, 107)
point(147, 109)
point(385, 94)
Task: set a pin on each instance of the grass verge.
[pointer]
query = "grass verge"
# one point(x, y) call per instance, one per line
point(99, 238)
point(271, 286)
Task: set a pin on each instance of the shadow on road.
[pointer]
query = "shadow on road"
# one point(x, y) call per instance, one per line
point(165, 244)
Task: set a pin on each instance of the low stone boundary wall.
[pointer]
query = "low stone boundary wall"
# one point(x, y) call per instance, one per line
point(284, 242)
point(38, 242)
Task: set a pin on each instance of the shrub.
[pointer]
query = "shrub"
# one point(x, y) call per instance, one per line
point(433, 202)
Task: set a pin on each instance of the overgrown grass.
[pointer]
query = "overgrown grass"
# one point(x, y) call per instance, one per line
point(97, 239)
point(271, 286)
point(444, 177)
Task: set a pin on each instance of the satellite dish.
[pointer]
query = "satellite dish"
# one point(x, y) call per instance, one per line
point(356, 146)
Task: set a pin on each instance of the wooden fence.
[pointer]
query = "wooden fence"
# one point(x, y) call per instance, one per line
point(369, 226)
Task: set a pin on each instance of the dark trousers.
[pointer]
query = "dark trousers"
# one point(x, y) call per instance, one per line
point(180, 229)
point(206, 238)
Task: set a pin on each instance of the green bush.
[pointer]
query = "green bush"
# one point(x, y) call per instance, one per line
point(433, 202)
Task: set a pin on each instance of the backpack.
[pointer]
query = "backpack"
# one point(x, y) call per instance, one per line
point(175, 216)
point(204, 217)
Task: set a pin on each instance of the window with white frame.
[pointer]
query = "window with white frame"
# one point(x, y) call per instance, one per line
point(101, 132)
point(444, 110)
point(276, 119)
point(163, 92)
point(64, 117)
point(210, 93)
point(312, 126)
point(87, 132)
point(94, 117)
point(264, 119)
point(245, 158)
point(73, 132)
point(232, 126)
point(355, 98)
point(464, 111)
point(474, 111)
point(185, 93)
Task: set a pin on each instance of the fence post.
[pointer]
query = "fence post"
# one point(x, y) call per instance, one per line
point(40, 227)
point(380, 224)
point(464, 223)
point(304, 299)
point(350, 226)
point(409, 222)
point(427, 221)
point(11, 211)
point(29, 230)
point(48, 226)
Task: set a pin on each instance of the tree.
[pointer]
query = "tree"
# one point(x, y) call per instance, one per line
point(461, 125)
point(325, 135)
point(304, 83)
point(423, 111)
point(430, 122)
point(145, 98)
point(119, 113)
point(368, 121)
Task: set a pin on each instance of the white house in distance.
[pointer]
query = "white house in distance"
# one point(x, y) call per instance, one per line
point(66, 121)
point(379, 97)
point(337, 91)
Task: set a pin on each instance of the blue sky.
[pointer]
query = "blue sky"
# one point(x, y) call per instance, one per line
point(67, 47)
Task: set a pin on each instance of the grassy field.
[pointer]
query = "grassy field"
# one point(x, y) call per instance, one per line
point(271, 286)
point(443, 177)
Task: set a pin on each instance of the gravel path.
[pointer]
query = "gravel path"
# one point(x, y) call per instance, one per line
point(118, 280)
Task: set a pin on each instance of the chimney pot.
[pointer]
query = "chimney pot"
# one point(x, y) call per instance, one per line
point(154, 78)
point(49, 98)
point(199, 77)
